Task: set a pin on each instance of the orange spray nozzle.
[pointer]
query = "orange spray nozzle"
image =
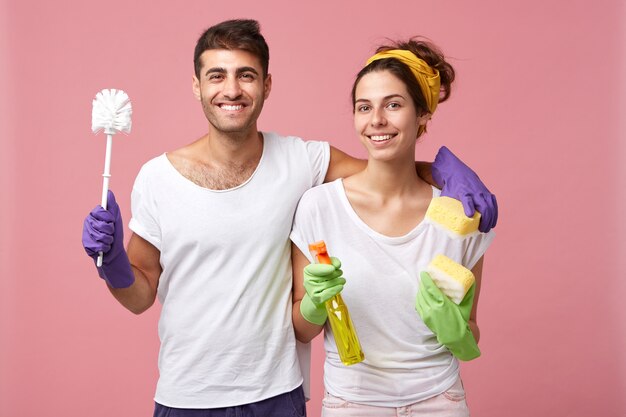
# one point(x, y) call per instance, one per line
point(319, 249)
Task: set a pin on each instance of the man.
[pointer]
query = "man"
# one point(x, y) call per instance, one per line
point(211, 225)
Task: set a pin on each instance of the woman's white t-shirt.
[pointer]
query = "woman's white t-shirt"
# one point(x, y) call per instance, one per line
point(404, 363)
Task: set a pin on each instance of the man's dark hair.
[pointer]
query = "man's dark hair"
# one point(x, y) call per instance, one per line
point(243, 34)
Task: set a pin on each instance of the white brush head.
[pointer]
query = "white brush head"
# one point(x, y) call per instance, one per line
point(111, 112)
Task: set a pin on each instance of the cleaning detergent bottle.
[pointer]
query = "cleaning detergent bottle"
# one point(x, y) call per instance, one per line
point(347, 341)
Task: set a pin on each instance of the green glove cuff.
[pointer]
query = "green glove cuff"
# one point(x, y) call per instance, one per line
point(465, 349)
point(312, 313)
point(448, 321)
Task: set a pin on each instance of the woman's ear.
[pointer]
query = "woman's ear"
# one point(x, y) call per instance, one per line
point(421, 124)
point(423, 119)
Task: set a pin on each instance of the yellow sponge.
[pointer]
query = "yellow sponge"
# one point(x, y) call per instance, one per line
point(452, 278)
point(448, 213)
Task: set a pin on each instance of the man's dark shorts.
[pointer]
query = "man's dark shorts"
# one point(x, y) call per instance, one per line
point(290, 404)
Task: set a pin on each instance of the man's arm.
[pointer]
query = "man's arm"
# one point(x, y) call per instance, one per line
point(132, 276)
point(455, 179)
point(424, 171)
point(145, 263)
point(343, 165)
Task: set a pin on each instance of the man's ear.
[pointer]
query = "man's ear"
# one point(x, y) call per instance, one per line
point(195, 86)
point(267, 86)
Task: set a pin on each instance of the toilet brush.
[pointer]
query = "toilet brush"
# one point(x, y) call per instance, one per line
point(111, 112)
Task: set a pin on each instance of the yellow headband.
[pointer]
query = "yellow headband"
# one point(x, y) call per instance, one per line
point(427, 77)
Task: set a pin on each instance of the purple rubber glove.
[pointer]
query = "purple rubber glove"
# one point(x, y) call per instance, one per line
point(103, 231)
point(458, 181)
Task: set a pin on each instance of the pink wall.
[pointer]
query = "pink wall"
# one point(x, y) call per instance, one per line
point(536, 110)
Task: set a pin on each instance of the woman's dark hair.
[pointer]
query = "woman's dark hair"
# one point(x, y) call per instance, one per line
point(422, 49)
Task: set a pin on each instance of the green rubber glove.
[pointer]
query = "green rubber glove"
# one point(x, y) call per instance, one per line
point(447, 320)
point(321, 282)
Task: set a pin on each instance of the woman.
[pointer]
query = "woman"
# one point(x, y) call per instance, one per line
point(373, 222)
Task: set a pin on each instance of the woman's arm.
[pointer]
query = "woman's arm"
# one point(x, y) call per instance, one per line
point(305, 331)
point(473, 324)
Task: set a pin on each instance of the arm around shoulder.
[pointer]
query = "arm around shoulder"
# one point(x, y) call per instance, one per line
point(342, 165)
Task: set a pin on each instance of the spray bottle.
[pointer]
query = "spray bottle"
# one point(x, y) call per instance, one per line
point(347, 341)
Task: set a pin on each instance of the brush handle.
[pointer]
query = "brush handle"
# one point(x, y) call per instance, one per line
point(105, 182)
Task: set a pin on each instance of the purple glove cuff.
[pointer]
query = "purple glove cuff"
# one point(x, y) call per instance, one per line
point(435, 172)
point(103, 231)
point(117, 273)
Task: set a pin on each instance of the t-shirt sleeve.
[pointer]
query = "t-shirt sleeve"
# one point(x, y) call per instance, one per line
point(143, 209)
point(319, 158)
point(303, 230)
point(476, 248)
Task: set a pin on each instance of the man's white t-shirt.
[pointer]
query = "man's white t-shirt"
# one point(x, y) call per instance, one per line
point(404, 363)
point(225, 327)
